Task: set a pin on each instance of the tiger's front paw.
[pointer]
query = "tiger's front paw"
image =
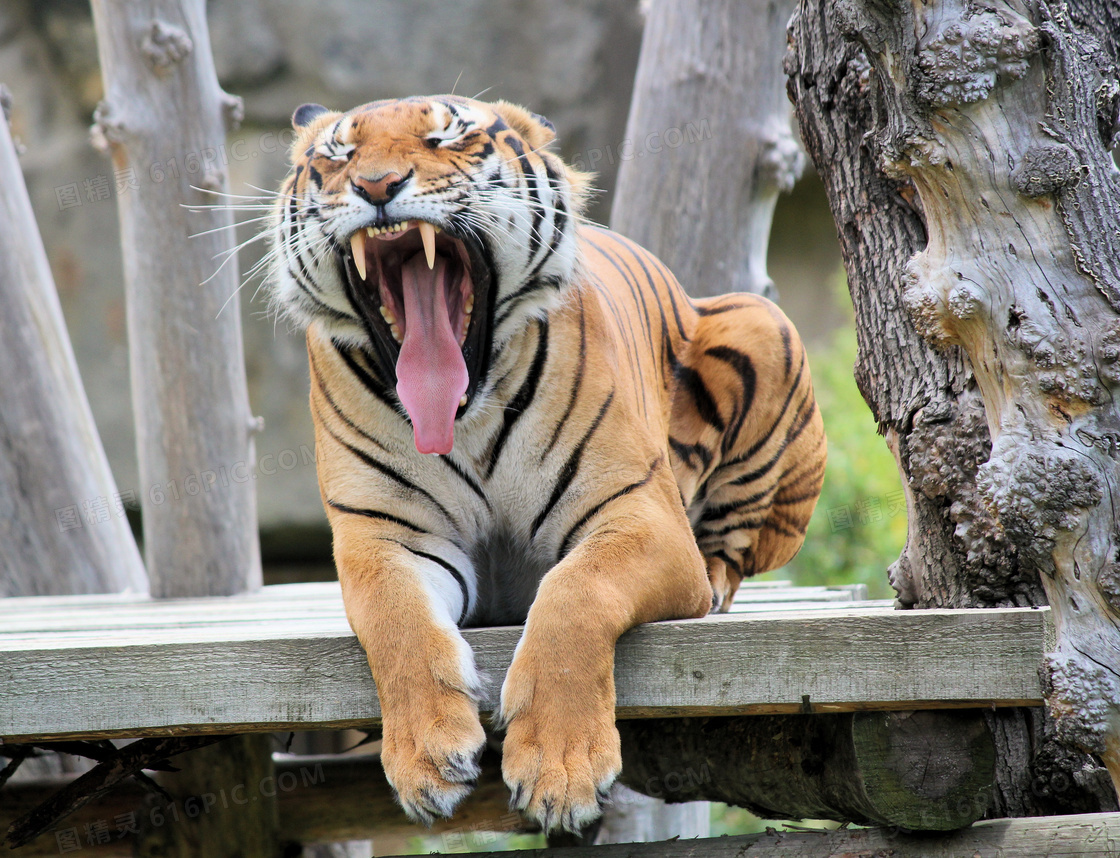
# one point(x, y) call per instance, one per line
point(430, 750)
point(561, 752)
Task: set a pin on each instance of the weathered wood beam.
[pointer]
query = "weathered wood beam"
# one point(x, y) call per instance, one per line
point(312, 673)
point(62, 521)
point(921, 771)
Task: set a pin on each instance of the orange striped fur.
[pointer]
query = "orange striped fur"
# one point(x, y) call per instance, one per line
point(621, 454)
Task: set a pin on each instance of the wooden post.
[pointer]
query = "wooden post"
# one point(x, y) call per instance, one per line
point(709, 144)
point(969, 151)
point(163, 121)
point(62, 522)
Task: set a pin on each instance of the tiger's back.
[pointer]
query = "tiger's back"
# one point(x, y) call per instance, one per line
point(745, 438)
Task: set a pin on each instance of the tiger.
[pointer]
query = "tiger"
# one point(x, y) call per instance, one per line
point(521, 419)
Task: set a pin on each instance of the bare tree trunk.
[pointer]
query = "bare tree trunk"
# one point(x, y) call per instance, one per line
point(62, 522)
point(708, 142)
point(977, 154)
point(163, 121)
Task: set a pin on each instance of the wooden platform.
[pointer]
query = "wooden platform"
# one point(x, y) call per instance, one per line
point(285, 658)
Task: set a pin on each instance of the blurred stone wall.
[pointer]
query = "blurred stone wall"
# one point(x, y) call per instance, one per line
point(571, 60)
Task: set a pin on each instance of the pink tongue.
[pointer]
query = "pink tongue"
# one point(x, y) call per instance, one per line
point(431, 374)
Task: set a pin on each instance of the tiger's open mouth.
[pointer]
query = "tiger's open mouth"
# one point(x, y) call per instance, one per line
point(425, 297)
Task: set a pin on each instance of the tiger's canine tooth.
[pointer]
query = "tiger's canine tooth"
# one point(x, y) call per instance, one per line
point(428, 236)
point(358, 249)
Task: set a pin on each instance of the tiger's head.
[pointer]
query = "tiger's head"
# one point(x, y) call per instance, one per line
point(426, 231)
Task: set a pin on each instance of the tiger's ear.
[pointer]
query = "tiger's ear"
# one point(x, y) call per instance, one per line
point(533, 128)
point(307, 121)
point(305, 114)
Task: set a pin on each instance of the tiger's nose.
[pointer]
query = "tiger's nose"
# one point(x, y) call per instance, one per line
point(379, 191)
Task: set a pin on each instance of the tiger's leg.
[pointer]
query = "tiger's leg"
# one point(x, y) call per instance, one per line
point(403, 608)
point(639, 563)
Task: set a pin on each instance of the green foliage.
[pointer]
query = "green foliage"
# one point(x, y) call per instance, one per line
point(859, 526)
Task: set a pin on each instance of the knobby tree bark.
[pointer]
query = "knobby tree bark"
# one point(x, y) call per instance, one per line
point(964, 149)
point(163, 121)
point(62, 523)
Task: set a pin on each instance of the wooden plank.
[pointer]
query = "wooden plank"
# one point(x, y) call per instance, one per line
point(1095, 835)
point(311, 672)
point(323, 599)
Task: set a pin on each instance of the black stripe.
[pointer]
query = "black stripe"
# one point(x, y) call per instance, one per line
point(813, 495)
point(790, 529)
point(687, 451)
point(381, 467)
point(725, 308)
point(652, 287)
point(790, 437)
point(568, 472)
point(369, 381)
point(759, 444)
point(715, 513)
point(455, 573)
point(635, 291)
point(742, 364)
point(373, 513)
point(754, 523)
point(576, 382)
point(624, 324)
point(564, 547)
point(466, 478)
point(522, 398)
point(334, 405)
point(497, 125)
point(534, 194)
point(787, 348)
point(736, 565)
point(534, 285)
point(324, 309)
point(559, 220)
point(706, 406)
